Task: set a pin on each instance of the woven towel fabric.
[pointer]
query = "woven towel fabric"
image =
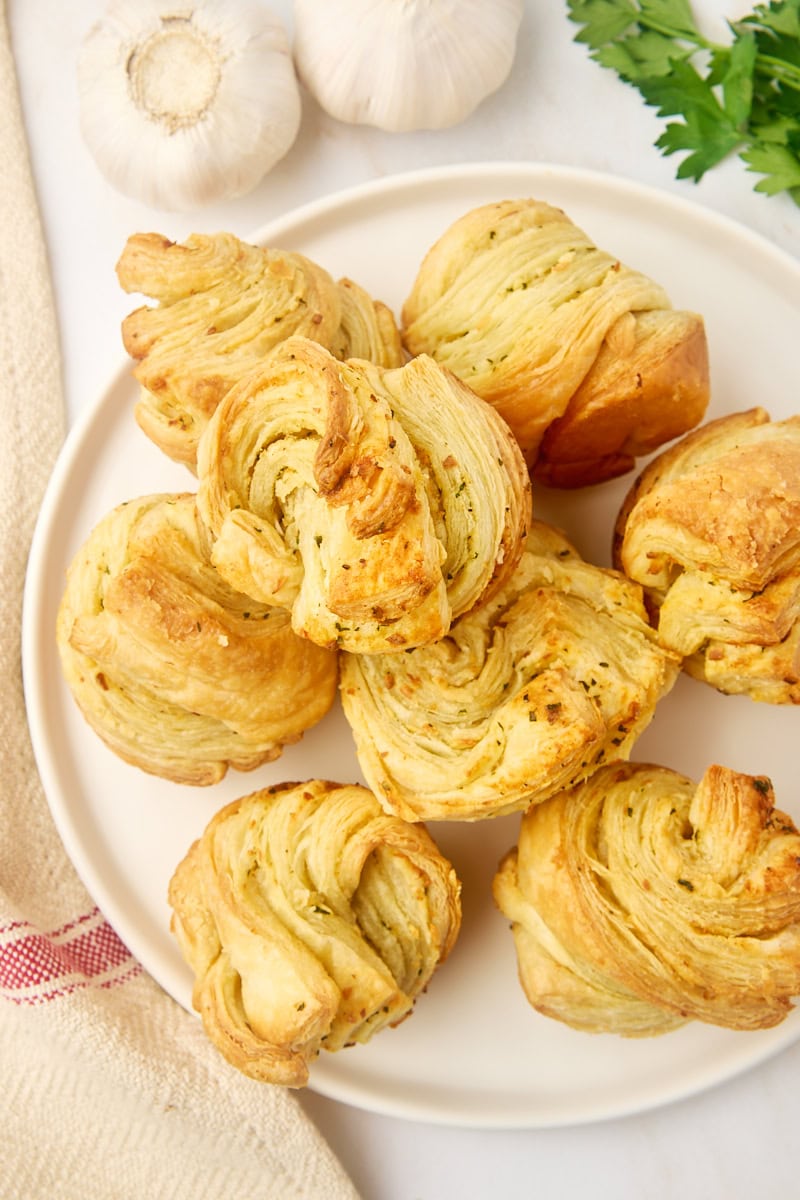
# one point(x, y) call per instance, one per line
point(110, 1089)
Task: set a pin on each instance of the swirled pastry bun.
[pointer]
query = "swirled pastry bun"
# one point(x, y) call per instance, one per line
point(177, 673)
point(526, 695)
point(311, 920)
point(711, 530)
point(375, 503)
point(584, 357)
point(640, 900)
point(221, 304)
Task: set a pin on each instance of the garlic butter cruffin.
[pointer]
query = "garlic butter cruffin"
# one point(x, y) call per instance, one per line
point(640, 900)
point(583, 356)
point(311, 920)
point(377, 504)
point(527, 694)
point(711, 529)
point(221, 305)
point(177, 673)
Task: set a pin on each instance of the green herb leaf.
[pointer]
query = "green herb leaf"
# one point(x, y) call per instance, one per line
point(640, 57)
point(737, 80)
point(778, 18)
point(673, 15)
point(779, 167)
point(707, 131)
point(602, 20)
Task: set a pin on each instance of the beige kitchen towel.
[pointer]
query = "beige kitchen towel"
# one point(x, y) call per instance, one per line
point(110, 1089)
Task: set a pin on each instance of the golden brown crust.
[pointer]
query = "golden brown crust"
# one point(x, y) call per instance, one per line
point(558, 673)
point(640, 900)
point(583, 357)
point(648, 385)
point(711, 529)
point(311, 920)
point(377, 504)
point(221, 304)
point(177, 673)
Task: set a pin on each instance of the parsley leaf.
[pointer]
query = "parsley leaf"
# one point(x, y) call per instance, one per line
point(742, 97)
point(641, 57)
point(779, 166)
point(602, 20)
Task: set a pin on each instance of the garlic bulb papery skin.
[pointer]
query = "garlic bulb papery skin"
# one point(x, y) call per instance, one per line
point(186, 103)
point(404, 65)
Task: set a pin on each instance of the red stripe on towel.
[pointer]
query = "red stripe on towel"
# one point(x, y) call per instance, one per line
point(35, 967)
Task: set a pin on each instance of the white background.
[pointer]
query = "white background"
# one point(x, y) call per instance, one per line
point(558, 107)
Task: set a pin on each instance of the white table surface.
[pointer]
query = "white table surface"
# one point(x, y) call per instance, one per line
point(735, 1140)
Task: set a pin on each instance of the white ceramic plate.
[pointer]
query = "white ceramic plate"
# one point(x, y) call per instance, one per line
point(473, 1053)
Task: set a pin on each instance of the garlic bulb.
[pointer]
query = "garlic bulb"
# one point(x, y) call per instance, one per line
point(185, 102)
point(404, 64)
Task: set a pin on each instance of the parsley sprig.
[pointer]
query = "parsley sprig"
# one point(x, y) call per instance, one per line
point(742, 97)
